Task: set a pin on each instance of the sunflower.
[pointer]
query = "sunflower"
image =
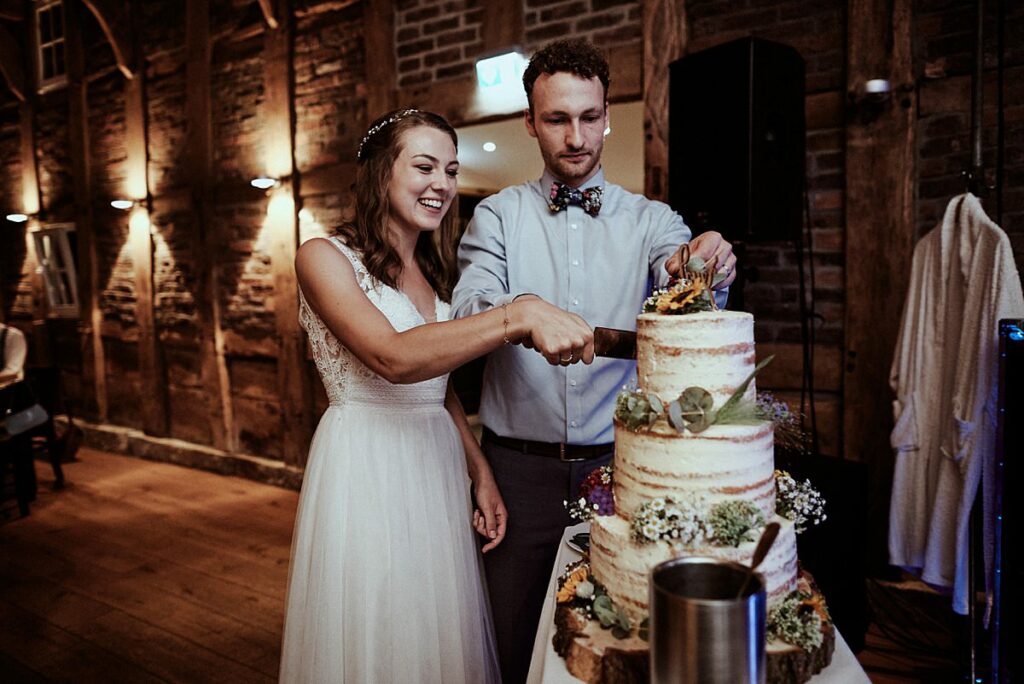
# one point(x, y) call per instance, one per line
point(567, 592)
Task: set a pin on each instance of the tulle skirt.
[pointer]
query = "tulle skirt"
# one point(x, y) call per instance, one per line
point(385, 578)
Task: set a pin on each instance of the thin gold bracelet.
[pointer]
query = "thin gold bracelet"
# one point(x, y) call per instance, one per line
point(504, 311)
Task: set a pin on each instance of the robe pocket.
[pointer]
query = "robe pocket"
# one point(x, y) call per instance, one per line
point(904, 433)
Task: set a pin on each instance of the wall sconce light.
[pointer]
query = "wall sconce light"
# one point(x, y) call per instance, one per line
point(123, 204)
point(876, 95)
point(263, 182)
point(17, 218)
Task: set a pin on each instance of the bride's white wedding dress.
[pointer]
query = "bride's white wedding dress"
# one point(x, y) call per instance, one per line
point(385, 581)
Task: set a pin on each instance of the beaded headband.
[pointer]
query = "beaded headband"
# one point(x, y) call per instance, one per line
point(380, 125)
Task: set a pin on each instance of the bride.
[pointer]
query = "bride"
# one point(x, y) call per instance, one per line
point(385, 582)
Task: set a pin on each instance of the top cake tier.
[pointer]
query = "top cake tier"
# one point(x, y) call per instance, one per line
point(710, 349)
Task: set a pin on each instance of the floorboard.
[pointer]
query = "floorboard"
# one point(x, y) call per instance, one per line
point(148, 572)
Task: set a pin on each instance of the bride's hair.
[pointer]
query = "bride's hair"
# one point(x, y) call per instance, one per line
point(367, 232)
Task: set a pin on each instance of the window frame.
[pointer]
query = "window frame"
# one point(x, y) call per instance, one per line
point(59, 80)
point(60, 304)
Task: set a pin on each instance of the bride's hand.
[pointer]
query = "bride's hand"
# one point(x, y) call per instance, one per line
point(490, 517)
point(561, 337)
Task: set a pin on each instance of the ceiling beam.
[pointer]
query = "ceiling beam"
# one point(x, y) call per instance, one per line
point(12, 10)
point(113, 19)
point(11, 63)
point(268, 13)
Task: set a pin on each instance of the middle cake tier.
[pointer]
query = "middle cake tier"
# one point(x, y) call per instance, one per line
point(722, 463)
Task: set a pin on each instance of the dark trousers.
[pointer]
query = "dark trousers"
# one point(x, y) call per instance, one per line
point(534, 488)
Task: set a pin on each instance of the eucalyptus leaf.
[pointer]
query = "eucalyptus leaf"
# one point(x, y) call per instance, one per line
point(675, 416)
point(656, 403)
point(719, 277)
point(695, 263)
point(645, 629)
point(605, 611)
point(696, 399)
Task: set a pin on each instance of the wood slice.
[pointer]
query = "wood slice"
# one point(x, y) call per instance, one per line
point(595, 656)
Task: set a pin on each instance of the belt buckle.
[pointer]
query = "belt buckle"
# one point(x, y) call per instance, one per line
point(563, 458)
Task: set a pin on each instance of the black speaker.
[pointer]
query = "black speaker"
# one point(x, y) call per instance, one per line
point(736, 140)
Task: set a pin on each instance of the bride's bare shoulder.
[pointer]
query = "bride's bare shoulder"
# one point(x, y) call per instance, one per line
point(319, 261)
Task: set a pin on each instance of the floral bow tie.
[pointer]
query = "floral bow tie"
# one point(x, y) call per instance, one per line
point(562, 196)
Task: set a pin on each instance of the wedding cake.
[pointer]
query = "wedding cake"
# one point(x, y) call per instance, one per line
point(693, 475)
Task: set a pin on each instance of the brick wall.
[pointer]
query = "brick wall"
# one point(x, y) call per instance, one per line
point(604, 22)
point(330, 102)
point(106, 124)
point(12, 244)
point(435, 41)
point(944, 55)
point(174, 277)
point(53, 150)
point(165, 119)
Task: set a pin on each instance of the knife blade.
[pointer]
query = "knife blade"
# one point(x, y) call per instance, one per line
point(614, 344)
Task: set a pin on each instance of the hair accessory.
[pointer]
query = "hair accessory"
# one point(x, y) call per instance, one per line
point(380, 125)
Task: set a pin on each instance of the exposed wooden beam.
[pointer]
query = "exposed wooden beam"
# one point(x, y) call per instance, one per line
point(12, 10)
point(665, 38)
point(140, 246)
point(11, 61)
point(205, 234)
point(113, 18)
point(88, 274)
point(282, 228)
point(379, 43)
point(502, 25)
point(325, 6)
point(879, 235)
point(269, 15)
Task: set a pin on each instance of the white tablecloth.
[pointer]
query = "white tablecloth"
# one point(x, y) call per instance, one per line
point(547, 667)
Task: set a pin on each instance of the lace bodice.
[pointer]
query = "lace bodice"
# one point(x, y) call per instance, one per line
point(346, 379)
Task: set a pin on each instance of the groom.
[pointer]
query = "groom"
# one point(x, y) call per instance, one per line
point(594, 249)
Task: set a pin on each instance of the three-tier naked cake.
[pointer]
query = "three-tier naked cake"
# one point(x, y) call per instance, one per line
point(693, 475)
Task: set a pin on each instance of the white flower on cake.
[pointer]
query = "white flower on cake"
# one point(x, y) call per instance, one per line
point(666, 519)
point(798, 501)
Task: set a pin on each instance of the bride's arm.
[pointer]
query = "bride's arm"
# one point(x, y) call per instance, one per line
point(490, 516)
point(329, 285)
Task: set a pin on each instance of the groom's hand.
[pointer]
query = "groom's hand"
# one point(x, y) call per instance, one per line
point(490, 517)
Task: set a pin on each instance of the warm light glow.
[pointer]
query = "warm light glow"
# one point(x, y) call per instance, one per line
point(138, 223)
point(489, 146)
point(122, 204)
point(263, 182)
point(281, 207)
point(17, 218)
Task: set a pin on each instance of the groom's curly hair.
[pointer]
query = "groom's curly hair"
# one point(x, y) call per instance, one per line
point(575, 56)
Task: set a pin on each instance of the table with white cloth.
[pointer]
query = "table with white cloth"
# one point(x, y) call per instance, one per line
point(547, 667)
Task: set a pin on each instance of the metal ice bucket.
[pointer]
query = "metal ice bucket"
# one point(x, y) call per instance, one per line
point(699, 630)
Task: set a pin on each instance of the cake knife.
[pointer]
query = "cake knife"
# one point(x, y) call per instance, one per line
point(614, 344)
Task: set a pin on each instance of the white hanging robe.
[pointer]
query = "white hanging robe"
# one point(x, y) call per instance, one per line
point(944, 373)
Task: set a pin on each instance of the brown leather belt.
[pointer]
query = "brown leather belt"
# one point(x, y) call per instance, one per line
point(568, 453)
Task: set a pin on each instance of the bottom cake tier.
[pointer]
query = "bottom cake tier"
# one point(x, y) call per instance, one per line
point(595, 655)
point(622, 565)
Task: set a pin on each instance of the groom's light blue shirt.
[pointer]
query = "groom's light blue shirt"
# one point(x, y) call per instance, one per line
point(601, 268)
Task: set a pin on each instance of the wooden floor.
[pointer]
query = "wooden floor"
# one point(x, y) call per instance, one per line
point(148, 572)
